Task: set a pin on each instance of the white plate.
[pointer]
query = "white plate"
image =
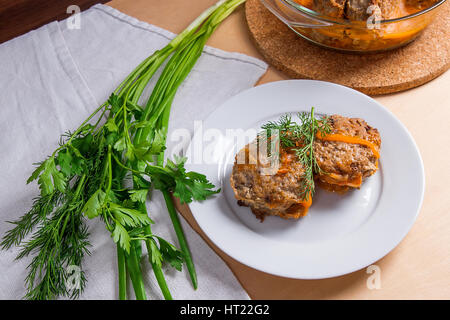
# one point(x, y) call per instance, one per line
point(340, 234)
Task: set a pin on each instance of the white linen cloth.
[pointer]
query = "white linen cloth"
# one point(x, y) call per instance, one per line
point(51, 79)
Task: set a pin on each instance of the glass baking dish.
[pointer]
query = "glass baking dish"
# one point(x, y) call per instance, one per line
point(348, 35)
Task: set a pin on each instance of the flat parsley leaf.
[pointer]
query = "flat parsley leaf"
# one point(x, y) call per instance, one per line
point(191, 185)
point(151, 146)
point(120, 144)
point(121, 236)
point(115, 102)
point(130, 217)
point(170, 254)
point(69, 163)
point(111, 125)
point(158, 143)
point(155, 254)
point(138, 195)
point(49, 177)
point(36, 172)
point(93, 206)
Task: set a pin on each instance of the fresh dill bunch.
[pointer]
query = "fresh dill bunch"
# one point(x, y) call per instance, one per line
point(53, 231)
point(60, 241)
point(23, 226)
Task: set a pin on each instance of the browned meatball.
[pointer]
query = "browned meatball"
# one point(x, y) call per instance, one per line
point(277, 193)
point(331, 8)
point(358, 9)
point(346, 164)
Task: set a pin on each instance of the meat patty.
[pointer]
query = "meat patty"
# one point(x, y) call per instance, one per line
point(331, 8)
point(277, 193)
point(346, 162)
point(357, 9)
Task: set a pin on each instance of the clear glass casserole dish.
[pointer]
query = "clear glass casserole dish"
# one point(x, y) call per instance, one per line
point(371, 35)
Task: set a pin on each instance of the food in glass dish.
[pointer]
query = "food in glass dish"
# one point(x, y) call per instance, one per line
point(337, 152)
point(360, 10)
point(368, 35)
point(356, 25)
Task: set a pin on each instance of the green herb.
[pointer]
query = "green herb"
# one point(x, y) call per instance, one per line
point(300, 138)
point(286, 129)
point(88, 174)
point(307, 133)
point(61, 241)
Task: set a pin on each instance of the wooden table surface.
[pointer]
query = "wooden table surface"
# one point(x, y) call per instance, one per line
point(20, 16)
point(419, 268)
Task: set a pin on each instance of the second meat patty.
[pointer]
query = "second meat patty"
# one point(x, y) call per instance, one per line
point(348, 155)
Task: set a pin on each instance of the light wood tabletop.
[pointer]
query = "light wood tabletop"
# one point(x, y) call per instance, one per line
point(419, 268)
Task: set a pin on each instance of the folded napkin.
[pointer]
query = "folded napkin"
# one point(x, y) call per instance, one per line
point(52, 78)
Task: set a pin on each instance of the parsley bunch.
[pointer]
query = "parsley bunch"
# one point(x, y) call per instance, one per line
point(107, 168)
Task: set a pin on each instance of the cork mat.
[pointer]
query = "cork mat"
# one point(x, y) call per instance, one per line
point(379, 73)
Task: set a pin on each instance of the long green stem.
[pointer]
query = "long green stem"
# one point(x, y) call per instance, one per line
point(157, 270)
point(159, 275)
point(121, 264)
point(135, 273)
point(181, 238)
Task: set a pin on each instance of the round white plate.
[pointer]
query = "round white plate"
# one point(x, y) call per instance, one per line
point(341, 233)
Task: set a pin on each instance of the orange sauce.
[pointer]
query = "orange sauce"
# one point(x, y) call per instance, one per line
point(307, 203)
point(337, 180)
point(349, 139)
point(358, 37)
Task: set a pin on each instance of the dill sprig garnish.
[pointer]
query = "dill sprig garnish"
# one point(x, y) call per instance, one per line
point(300, 138)
point(286, 129)
point(307, 132)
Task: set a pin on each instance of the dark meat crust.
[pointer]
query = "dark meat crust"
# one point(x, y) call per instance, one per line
point(331, 8)
point(277, 194)
point(357, 9)
point(346, 165)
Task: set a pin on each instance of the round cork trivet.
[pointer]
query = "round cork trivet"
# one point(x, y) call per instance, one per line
point(374, 74)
